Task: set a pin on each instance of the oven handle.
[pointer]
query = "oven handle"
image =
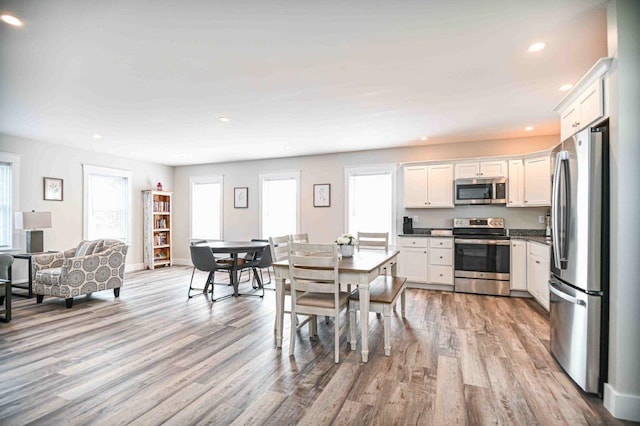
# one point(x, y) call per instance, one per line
point(482, 242)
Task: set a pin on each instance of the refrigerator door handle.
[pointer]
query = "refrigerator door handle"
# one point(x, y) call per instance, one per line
point(564, 244)
point(555, 210)
point(564, 296)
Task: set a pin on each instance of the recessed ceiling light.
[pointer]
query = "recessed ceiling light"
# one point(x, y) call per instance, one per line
point(97, 136)
point(224, 118)
point(566, 87)
point(535, 47)
point(528, 128)
point(11, 20)
point(424, 138)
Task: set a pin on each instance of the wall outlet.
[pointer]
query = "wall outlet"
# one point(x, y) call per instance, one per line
point(416, 219)
point(540, 219)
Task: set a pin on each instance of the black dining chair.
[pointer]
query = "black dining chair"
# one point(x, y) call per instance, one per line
point(203, 260)
point(6, 260)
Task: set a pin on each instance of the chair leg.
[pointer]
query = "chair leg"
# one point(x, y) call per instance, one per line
point(336, 339)
point(402, 302)
point(39, 298)
point(69, 302)
point(116, 292)
point(352, 325)
point(292, 340)
point(386, 309)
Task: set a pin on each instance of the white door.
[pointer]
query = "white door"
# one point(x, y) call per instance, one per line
point(516, 184)
point(493, 169)
point(537, 181)
point(414, 264)
point(518, 265)
point(467, 170)
point(415, 186)
point(440, 185)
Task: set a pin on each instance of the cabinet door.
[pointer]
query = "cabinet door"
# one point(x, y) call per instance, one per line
point(441, 275)
point(516, 184)
point(537, 181)
point(440, 185)
point(413, 264)
point(538, 264)
point(467, 170)
point(518, 265)
point(415, 186)
point(569, 120)
point(493, 169)
point(591, 104)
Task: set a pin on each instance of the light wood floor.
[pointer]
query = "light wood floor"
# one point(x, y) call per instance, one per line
point(153, 356)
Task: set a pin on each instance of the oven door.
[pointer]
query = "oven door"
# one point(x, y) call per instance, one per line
point(470, 191)
point(485, 259)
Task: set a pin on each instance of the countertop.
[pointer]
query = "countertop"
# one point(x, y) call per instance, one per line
point(534, 235)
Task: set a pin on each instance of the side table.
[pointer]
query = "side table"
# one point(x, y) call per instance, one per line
point(29, 286)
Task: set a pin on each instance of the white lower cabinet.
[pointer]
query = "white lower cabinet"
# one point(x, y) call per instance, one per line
point(413, 261)
point(518, 272)
point(426, 260)
point(538, 270)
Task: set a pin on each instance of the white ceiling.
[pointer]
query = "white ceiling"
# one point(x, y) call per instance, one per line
point(295, 77)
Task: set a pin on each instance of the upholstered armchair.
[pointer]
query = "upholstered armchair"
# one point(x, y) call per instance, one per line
point(92, 266)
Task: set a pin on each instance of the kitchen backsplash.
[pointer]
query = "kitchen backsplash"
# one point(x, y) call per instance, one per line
point(514, 217)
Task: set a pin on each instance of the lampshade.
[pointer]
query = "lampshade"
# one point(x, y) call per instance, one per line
point(33, 220)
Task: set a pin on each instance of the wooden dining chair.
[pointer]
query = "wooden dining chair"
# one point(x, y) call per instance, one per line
point(299, 238)
point(315, 288)
point(378, 240)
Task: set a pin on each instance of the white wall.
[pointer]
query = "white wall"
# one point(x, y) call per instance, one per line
point(325, 224)
point(622, 392)
point(40, 159)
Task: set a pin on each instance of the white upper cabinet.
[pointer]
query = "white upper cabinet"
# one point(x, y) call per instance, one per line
point(484, 169)
point(428, 186)
point(584, 104)
point(516, 184)
point(537, 181)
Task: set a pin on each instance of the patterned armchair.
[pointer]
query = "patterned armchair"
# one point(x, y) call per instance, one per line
point(92, 266)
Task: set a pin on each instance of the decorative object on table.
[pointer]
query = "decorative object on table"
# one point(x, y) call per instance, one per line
point(346, 243)
point(34, 222)
point(159, 186)
point(322, 195)
point(52, 189)
point(241, 198)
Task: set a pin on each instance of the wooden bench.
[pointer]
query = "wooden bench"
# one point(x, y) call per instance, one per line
point(383, 295)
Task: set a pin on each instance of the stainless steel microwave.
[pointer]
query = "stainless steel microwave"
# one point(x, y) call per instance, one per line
point(481, 191)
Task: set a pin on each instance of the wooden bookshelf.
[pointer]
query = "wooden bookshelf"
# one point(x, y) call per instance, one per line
point(157, 229)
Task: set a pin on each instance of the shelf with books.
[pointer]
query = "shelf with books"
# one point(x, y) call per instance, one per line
point(157, 229)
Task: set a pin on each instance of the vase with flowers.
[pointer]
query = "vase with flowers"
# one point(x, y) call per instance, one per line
point(346, 243)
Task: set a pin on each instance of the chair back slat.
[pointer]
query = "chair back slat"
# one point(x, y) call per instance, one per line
point(373, 240)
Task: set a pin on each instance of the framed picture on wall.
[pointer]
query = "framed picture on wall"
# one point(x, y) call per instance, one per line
point(241, 198)
point(52, 188)
point(322, 195)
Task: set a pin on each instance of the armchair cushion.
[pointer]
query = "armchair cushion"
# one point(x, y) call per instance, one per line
point(49, 276)
point(89, 247)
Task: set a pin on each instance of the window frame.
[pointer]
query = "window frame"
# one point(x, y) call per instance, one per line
point(373, 169)
point(281, 175)
point(14, 160)
point(203, 180)
point(87, 171)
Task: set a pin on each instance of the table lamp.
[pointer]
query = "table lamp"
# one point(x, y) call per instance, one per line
point(34, 222)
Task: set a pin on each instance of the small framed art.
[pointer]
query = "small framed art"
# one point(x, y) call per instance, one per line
point(241, 198)
point(322, 195)
point(53, 189)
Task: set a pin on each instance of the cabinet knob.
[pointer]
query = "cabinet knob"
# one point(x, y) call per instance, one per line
point(440, 257)
point(424, 252)
point(538, 262)
point(525, 201)
point(440, 274)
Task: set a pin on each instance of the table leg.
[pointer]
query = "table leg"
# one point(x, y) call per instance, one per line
point(279, 311)
point(234, 273)
point(364, 320)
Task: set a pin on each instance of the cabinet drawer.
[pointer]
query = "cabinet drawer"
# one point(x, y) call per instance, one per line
point(538, 249)
point(441, 256)
point(441, 242)
point(413, 242)
point(441, 274)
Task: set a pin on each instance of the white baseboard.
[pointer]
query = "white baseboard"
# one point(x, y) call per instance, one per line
point(130, 267)
point(621, 406)
point(183, 261)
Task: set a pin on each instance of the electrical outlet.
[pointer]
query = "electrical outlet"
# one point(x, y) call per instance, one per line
point(416, 219)
point(540, 219)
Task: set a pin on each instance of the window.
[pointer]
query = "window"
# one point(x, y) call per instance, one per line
point(107, 203)
point(279, 203)
point(206, 208)
point(370, 199)
point(9, 172)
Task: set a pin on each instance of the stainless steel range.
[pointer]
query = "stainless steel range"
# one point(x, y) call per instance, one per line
point(482, 256)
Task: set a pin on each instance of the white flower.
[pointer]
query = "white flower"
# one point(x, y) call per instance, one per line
point(345, 239)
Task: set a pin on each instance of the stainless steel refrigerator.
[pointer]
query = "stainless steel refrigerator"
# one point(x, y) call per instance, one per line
point(580, 257)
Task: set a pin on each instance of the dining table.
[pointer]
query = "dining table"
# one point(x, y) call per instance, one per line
point(234, 249)
point(358, 270)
